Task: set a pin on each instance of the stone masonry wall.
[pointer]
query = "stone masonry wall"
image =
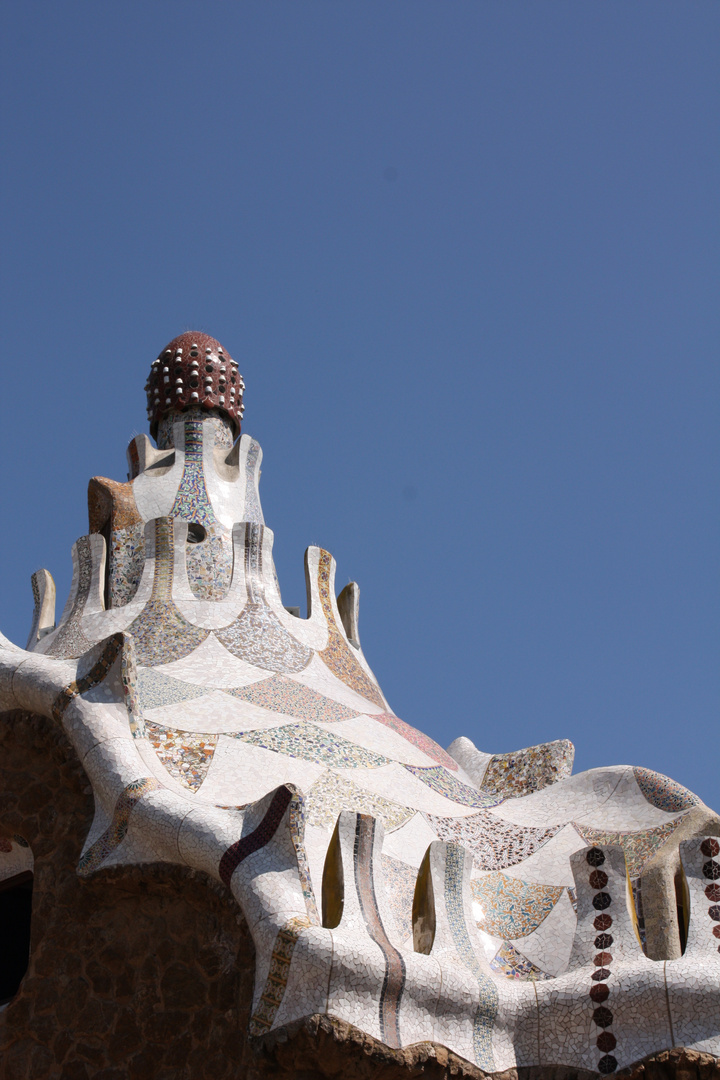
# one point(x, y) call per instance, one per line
point(134, 973)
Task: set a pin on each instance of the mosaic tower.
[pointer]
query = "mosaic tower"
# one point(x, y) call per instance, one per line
point(492, 911)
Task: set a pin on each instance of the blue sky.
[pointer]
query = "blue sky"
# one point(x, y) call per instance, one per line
point(466, 256)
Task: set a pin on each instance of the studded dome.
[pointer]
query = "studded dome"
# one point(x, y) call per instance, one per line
point(194, 371)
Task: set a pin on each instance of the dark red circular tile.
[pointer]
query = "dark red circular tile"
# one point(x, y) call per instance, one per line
point(601, 901)
point(600, 993)
point(598, 879)
point(600, 974)
point(713, 892)
point(603, 941)
point(606, 1042)
point(710, 847)
point(714, 912)
point(607, 1064)
point(603, 922)
point(603, 1016)
point(711, 870)
point(603, 959)
point(595, 856)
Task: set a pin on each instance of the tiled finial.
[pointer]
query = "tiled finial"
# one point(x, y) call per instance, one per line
point(196, 364)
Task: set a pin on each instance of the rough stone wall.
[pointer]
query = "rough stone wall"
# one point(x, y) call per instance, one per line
point(133, 973)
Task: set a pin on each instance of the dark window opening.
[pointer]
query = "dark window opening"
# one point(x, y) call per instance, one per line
point(15, 911)
point(196, 533)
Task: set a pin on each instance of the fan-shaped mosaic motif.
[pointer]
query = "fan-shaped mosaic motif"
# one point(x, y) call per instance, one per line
point(186, 756)
point(312, 744)
point(331, 794)
point(639, 847)
point(529, 770)
point(422, 742)
point(512, 908)
point(293, 699)
point(663, 792)
point(440, 781)
point(494, 843)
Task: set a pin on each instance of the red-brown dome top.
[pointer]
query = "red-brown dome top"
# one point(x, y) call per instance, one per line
point(194, 370)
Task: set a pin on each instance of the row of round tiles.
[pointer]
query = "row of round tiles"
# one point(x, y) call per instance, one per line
point(711, 871)
point(602, 1015)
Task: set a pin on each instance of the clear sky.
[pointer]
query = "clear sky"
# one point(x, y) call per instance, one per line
point(466, 255)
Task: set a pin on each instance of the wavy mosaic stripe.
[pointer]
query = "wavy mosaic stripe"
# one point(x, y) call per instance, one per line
point(422, 742)
point(95, 675)
point(664, 793)
point(286, 940)
point(512, 908)
point(276, 983)
point(116, 831)
point(337, 655)
point(639, 847)
point(192, 501)
point(258, 838)
point(394, 981)
point(440, 781)
point(313, 744)
point(489, 998)
point(293, 699)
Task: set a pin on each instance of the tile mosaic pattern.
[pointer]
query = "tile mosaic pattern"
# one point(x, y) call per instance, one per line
point(313, 744)
point(107, 656)
point(489, 998)
point(69, 639)
point(525, 771)
point(513, 965)
point(599, 990)
point(639, 847)
point(332, 793)
point(257, 635)
point(512, 908)
point(156, 689)
point(710, 849)
point(187, 757)
point(258, 838)
point(277, 979)
point(192, 501)
point(160, 632)
point(337, 655)
point(394, 982)
point(253, 510)
point(443, 783)
point(495, 844)
point(127, 559)
point(293, 699)
point(117, 830)
point(268, 727)
point(663, 792)
point(422, 742)
point(209, 564)
point(400, 889)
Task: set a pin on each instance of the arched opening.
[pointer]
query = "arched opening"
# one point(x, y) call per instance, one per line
point(16, 883)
